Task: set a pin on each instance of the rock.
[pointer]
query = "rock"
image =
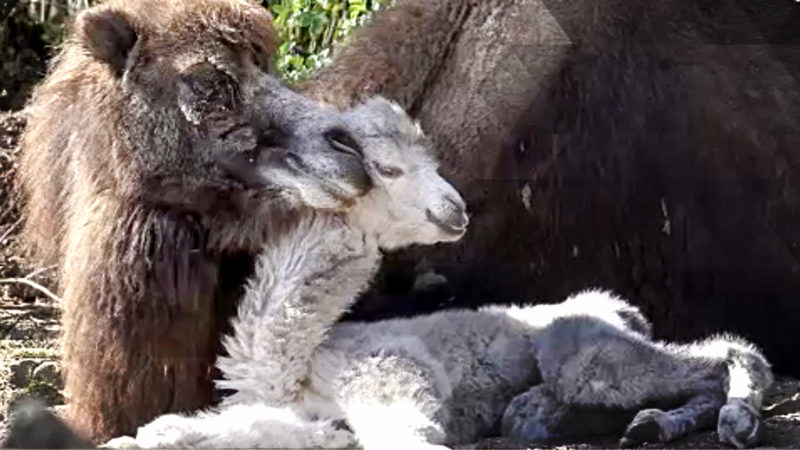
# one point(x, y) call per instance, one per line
point(34, 426)
point(48, 372)
point(21, 372)
point(45, 384)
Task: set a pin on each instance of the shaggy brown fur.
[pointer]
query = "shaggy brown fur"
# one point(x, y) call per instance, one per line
point(141, 169)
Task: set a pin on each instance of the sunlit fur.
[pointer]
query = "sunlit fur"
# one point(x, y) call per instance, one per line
point(308, 277)
point(312, 272)
point(541, 372)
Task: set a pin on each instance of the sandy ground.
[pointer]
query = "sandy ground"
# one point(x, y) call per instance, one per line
point(29, 327)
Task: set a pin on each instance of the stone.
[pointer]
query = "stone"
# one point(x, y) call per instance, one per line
point(21, 372)
point(48, 372)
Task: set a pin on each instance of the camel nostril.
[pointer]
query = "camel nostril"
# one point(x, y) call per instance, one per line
point(458, 220)
point(457, 216)
point(453, 223)
point(457, 204)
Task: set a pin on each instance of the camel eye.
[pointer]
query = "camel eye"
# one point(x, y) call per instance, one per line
point(205, 90)
point(388, 171)
point(341, 141)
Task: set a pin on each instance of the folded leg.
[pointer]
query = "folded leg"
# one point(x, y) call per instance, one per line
point(533, 416)
point(586, 362)
point(392, 401)
point(239, 426)
point(749, 376)
point(538, 416)
point(735, 408)
point(656, 425)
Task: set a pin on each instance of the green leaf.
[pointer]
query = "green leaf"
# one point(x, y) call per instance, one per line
point(312, 29)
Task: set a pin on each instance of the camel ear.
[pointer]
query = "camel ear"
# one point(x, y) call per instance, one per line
point(107, 34)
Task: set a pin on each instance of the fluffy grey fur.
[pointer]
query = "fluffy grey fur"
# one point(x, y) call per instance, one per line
point(533, 373)
point(586, 365)
point(307, 278)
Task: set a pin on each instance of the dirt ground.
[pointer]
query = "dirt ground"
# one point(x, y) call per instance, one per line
point(28, 319)
point(29, 327)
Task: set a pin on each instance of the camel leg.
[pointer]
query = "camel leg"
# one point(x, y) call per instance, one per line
point(749, 376)
point(238, 426)
point(391, 401)
point(538, 416)
point(586, 362)
point(656, 425)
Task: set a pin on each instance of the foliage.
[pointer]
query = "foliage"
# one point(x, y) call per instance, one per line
point(27, 39)
point(52, 15)
point(45, 391)
point(30, 352)
point(310, 30)
point(22, 54)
